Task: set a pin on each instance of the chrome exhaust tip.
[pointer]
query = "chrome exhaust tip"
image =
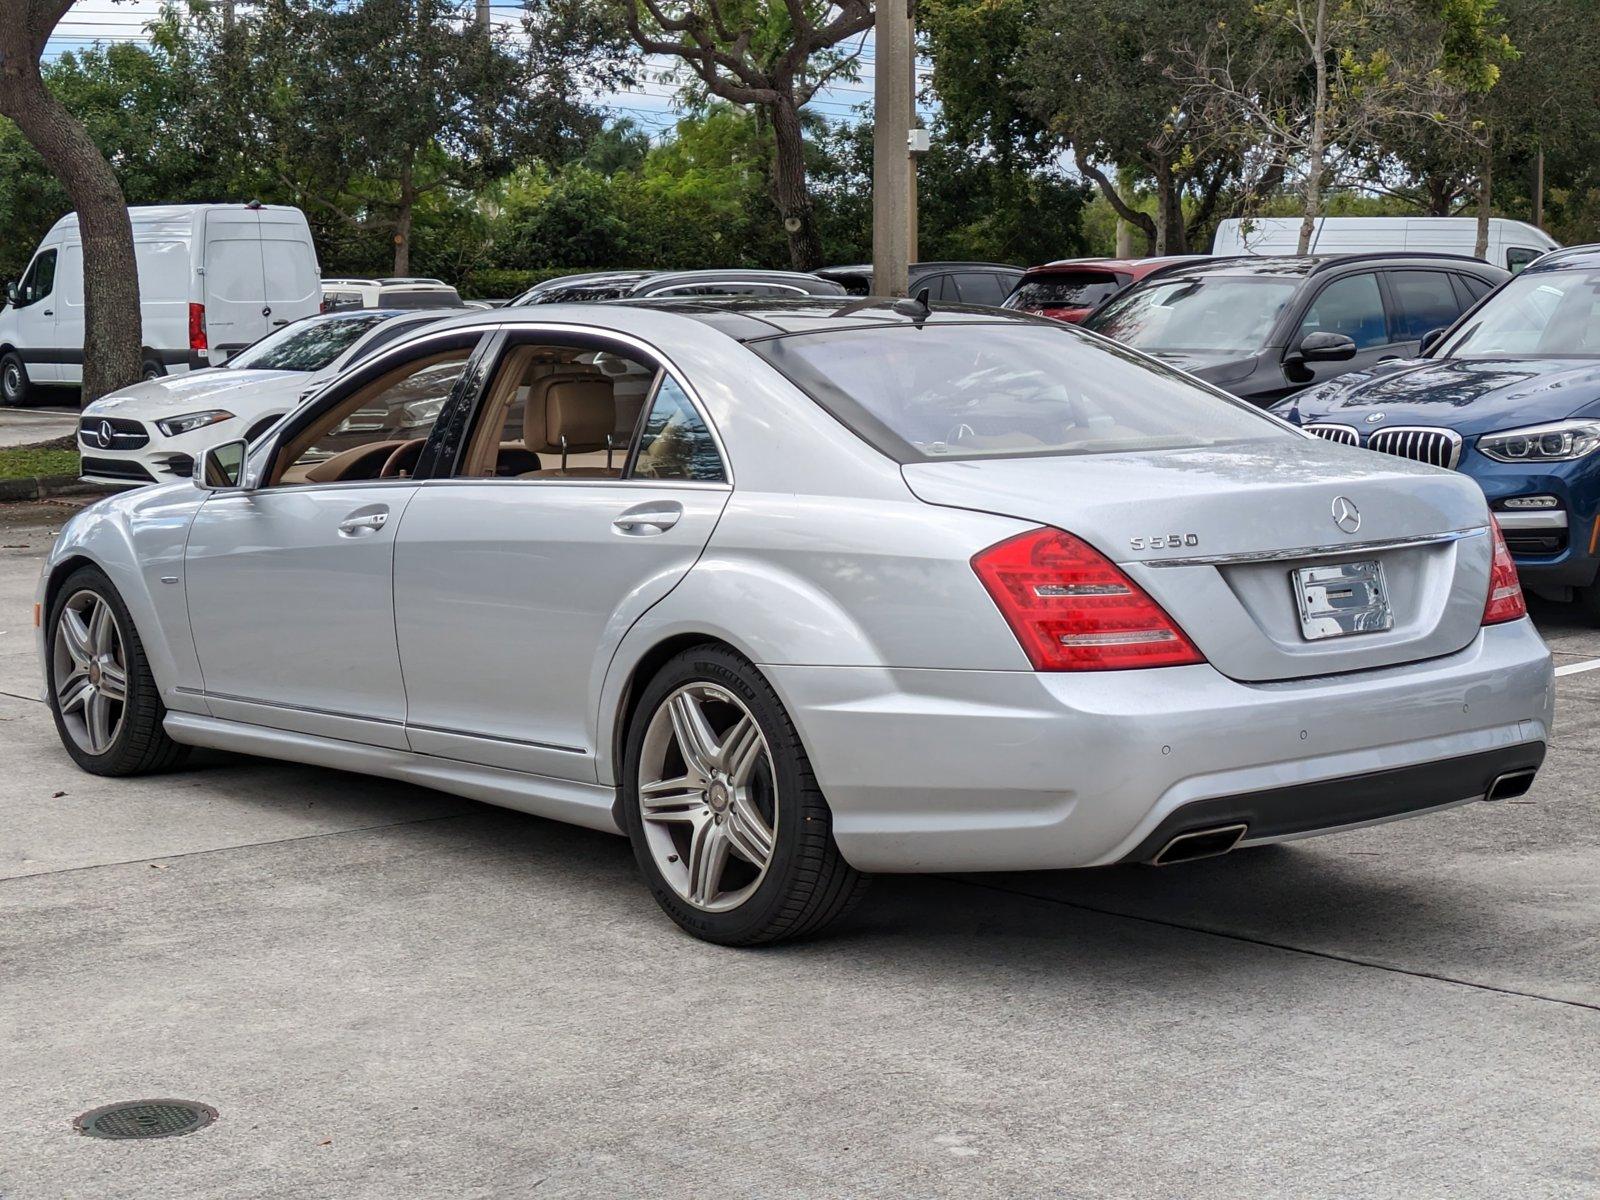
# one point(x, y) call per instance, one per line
point(1200, 843)
point(1511, 784)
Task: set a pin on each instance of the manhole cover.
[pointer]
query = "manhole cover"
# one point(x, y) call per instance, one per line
point(145, 1119)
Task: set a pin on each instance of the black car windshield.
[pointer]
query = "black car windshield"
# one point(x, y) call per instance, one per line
point(945, 390)
point(1539, 314)
point(1066, 289)
point(307, 345)
point(1206, 314)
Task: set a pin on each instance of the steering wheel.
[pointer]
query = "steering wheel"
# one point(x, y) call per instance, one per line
point(403, 460)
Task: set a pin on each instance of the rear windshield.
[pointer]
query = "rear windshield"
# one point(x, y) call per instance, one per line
point(1069, 289)
point(990, 390)
point(432, 298)
point(1213, 313)
point(307, 345)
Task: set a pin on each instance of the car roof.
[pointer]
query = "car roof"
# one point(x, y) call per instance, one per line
point(730, 275)
point(866, 268)
point(1567, 256)
point(752, 318)
point(1306, 265)
point(1152, 263)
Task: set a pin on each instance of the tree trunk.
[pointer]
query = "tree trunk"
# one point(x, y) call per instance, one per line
point(1480, 249)
point(112, 351)
point(403, 212)
point(789, 187)
point(1319, 133)
point(1171, 236)
point(1139, 220)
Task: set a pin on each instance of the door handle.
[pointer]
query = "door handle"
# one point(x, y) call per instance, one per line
point(281, 321)
point(49, 312)
point(362, 524)
point(644, 520)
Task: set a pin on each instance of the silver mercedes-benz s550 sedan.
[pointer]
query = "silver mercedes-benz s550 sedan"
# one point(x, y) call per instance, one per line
point(792, 592)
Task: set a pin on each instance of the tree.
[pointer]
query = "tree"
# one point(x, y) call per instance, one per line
point(112, 328)
point(772, 54)
point(1036, 78)
point(1316, 82)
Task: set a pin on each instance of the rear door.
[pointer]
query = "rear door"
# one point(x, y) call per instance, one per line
point(290, 279)
point(235, 293)
point(512, 591)
point(1420, 301)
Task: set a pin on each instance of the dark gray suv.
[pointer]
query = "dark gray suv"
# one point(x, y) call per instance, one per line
point(1263, 328)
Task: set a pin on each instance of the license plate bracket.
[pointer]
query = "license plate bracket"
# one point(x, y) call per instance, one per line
point(1340, 599)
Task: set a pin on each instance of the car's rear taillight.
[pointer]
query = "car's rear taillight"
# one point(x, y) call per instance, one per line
point(197, 326)
point(1505, 602)
point(1073, 610)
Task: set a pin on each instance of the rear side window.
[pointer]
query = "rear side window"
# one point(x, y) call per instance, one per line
point(1424, 300)
point(1070, 289)
point(675, 443)
point(1352, 306)
point(986, 390)
point(980, 287)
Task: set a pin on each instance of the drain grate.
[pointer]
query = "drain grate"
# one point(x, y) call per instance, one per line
point(145, 1119)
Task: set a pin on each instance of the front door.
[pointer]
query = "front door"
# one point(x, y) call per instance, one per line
point(514, 587)
point(35, 308)
point(290, 584)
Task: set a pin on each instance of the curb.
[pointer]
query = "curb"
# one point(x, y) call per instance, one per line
point(39, 487)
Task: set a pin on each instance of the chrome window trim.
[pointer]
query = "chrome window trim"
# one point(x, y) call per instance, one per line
point(652, 484)
point(1449, 435)
point(1328, 551)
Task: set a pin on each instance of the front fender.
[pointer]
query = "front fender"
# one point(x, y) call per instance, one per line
point(138, 540)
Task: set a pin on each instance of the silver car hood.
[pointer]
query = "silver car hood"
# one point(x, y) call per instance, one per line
point(194, 391)
point(1270, 497)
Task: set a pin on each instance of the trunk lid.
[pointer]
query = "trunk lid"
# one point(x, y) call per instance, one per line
point(1216, 535)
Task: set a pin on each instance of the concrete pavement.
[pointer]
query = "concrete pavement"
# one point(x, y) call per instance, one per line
point(20, 426)
point(390, 993)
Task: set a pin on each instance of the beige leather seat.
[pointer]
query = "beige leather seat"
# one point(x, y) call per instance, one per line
point(568, 416)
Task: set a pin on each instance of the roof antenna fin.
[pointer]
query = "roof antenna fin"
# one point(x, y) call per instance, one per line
point(917, 307)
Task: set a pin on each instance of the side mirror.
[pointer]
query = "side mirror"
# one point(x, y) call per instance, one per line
point(11, 292)
point(1432, 338)
point(221, 468)
point(1327, 347)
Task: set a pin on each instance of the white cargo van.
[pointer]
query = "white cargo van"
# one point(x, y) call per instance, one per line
point(212, 279)
point(1512, 244)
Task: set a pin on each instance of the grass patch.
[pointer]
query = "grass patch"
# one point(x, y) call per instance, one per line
point(45, 458)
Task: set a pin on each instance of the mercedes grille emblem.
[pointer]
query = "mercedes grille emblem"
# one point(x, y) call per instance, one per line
point(1345, 514)
point(107, 435)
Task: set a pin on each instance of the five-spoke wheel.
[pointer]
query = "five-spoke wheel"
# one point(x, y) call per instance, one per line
point(728, 824)
point(707, 796)
point(90, 671)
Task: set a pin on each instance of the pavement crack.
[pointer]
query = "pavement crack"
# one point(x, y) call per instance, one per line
point(15, 696)
point(1268, 943)
point(305, 837)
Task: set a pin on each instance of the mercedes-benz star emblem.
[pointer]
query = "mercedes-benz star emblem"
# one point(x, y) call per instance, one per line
point(1345, 514)
point(106, 434)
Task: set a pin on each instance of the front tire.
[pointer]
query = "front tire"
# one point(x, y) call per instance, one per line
point(729, 828)
point(15, 387)
point(107, 710)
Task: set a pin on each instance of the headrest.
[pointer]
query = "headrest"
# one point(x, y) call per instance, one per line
point(581, 411)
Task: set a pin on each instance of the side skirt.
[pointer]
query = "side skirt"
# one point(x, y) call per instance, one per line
point(586, 804)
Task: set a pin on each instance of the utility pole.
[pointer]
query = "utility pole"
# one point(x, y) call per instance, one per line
point(1538, 188)
point(891, 160)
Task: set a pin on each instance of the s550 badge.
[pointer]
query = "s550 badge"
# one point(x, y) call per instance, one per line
point(1165, 541)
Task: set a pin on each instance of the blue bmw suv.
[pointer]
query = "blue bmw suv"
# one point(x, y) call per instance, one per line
point(1509, 394)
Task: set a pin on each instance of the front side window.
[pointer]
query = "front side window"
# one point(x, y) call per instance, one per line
point(1352, 306)
point(674, 442)
point(378, 431)
point(307, 345)
point(40, 280)
point(1222, 314)
point(1542, 314)
point(1425, 300)
point(979, 390)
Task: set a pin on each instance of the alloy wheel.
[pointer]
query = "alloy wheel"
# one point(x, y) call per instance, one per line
point(708, 797)
point(11, 381)
point(90, 672)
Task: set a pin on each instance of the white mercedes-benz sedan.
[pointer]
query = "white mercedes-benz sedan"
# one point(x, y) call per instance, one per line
point(789, 592)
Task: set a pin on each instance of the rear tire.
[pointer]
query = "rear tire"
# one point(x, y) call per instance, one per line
point(152, 370)
point(15, 387)
point(749, 804)
point(110, 726)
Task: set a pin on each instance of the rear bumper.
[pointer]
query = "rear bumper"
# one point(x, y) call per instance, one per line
point(1009, 770)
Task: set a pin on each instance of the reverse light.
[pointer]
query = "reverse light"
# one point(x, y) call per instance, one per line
point(1505, 602)
point(1559, 441)
point(1072, 609)
point(189, 422)
point(197, 328)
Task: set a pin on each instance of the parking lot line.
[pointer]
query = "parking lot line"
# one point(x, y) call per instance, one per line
point(1592, 664)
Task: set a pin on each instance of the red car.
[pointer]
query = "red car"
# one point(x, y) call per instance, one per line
point(1069, 290)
